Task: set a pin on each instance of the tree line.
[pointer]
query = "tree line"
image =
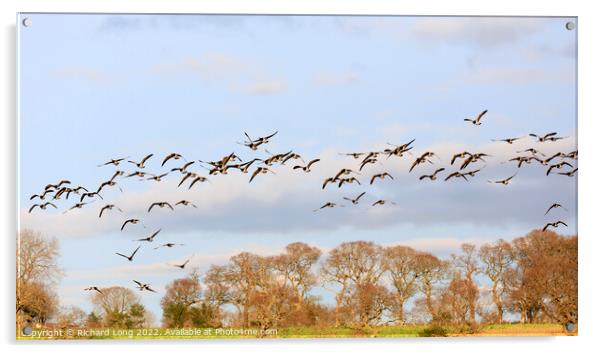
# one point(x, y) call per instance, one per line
point(531, 279)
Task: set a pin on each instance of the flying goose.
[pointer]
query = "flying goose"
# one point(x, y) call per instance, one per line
point(42, 196)
point(41, 206)
point(332, 180)
point(108, 207)
point(132, 221)
point(143, 286)
point(116, 174)
point(182, 265)
point(507, 140)
point(170, 156)
point(141, 163)
point(198, 178)
point(150, 238)
point(533, 151)
point(380, 176)
point(157, 177)
point(107, 183)
point(473, 159)
point(137, 173)
point(292, 156)
point(553, 224)
point(114, 162)
point(472, 173)
point(422, 159)
point(186, 176)
point(264, 140)
point(503, 181)
point(382, 202)
point(57, 185)
point(161, 204)
point(456, 175)
point(524, 159)
point(77, 205)
point(558, 166)
point(554, 205)
point(260, 170)
point(185, 203)
point(570, 173)
point(543, 138)
point(349, 181)
point(328, 205)
point(89, 195)
point(432, 176)
point(244, 167)
point(555, 138)
point(94, 288)
point(356, 200)
point(182, 169)
point(307, 167)
point(367, 161)
point(355, 155)
point(168, 245)
point(344, 172)
point(64, 190)
point(131, 257)
point(477, 120)
point(460, 155)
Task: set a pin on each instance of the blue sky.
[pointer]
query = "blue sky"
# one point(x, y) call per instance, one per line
point(96, 87)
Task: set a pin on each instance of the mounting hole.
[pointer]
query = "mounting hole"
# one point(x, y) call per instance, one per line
point(26, 22)
point(570, 25)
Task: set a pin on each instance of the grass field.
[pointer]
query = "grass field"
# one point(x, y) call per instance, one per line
point(300, 332)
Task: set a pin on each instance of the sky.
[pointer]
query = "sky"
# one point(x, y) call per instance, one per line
point(97, 87)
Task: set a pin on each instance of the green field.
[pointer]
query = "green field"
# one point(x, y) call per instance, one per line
point(299, 332)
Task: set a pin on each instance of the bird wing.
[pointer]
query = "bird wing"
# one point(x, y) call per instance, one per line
point(151, 206)
point(155, 234)
point(468, 119)
point(328, 180)
point(257, 171)
point(122, 255)
point(168, 205)
point(481, 115)
point(135, 251)
point(297, 167)
point(270, 136)
point(373, 177)
point(561, 222)
point(124, 223)
point(360, 195)
point(166, 159)
point(312, 162)
point(32, 207)
point(145, 159)
point(138, 283)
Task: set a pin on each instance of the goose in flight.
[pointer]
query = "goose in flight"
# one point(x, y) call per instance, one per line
point(367, 161)
point(432, 176)
point(197, 179)
point(507, 140)
point(555, 138)
point(260, 170)
point(477, 120)
point(64, 190)
point(186, 176)
point(456, 175)
point(141, 163)
point(168, 245)
point(472, 173)
point(545, 137)
point(150, 238)
point(524, 159)
point(382, 202)
point(307, 167)
point(573, 154)
point(137, 173)
point(349, 181)
point(143, 286)
point(157, 177)
point(108, 207)
point(185, 203)
point(460, 155)
point(292, 156)
point(275, 158)
point(114, 162)
point(355, 155)
point(422, 159)
point(503, 181)
point(398, 150)
point(77, 205)
point(89, 195)
point(265, 139)
point(42, 196)
point(533, 151)
point(553, 224)
point(380, 176)
point(344, 172)
point(175, 156)
point(131, 257)
point(108, 183)
point(57, 185)
point(558, 166)
point(42, 206)
point(332, 180)
point(473, 159)
point(555, 205)
point(356, 200)
point(570, 173)
point(182, 265)
point(132, 221)
point(116, 174)
point(244, 167)
point(183, 168)
point(161, 204)
point(328, 205)
point(94, 288)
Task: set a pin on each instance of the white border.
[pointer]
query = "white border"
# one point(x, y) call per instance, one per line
point(589, 125)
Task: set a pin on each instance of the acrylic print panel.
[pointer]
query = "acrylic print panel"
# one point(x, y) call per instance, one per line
point(232, 176)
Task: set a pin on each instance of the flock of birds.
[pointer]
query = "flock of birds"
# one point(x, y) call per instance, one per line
point(257, 167)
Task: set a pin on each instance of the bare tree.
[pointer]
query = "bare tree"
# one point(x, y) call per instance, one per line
point(120, 307)
point(399, 262)
point(352, 263)
point(467, 263)
point(430, 270)
point(296, 267)
point(180, 295)
point(497, 261)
